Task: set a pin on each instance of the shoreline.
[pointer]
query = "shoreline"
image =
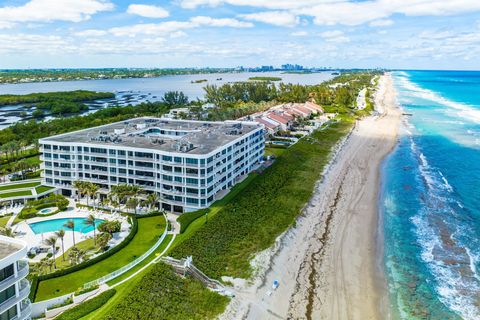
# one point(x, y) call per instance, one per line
point(328, 264)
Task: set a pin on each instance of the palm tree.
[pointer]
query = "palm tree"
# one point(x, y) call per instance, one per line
point(152, 200)
point(7, 232)
point(132, 203)
point(75, 255)
point(103, 239)
point(45, 263)
point(52, 241)
point(91, 221)
point(61, 234)
point(92, 190)
point(71, 225)
point(80, 186)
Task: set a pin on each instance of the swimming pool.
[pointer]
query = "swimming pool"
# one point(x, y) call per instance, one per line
point(57, 224)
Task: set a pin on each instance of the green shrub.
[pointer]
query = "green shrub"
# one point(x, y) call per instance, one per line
point(90, 262)
point(87, 306)
point(110, 226)
point(161, 294)
point(255, 217)
point(188, 217)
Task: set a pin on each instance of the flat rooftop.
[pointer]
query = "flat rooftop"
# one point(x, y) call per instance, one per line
point(180, 136)
point(8, 248)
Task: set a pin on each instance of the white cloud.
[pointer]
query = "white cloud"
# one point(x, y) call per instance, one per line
point(335, 36)
point(223, 22)
point(172, 27)
point(6, 25)
point(269, 4)
point(277, 18)
point(349, 12)
point(381, 23)
point(299, 34)
point(90, 33)
point(53, 10)
point(147, 11)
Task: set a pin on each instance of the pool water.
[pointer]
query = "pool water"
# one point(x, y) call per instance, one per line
point(47, 210)
point(57, 224)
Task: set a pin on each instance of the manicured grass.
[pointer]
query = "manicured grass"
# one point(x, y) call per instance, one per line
point(253, 220)
point(4, 220)
point(154, 254)
point(86, 245)
point(274, 151)
point(149, 230)
point(19, 186)
point(161, 294)
point(15, 194)
point(42, 189)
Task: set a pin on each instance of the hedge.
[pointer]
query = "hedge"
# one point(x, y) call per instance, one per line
point(99, 258)
point(90, 262)
point(188, 217)
point(33, 287)
point(87, 306)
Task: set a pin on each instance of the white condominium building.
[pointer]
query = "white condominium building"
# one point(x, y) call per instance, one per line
point(14, 288)
point(188, 163)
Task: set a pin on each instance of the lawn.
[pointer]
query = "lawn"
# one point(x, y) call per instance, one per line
point(149, 230)
point(274, 151)
point(19, 186)
point(4, 220)
point(86, 245)
point(15, 194)
point(42, 189)
point(253, 219)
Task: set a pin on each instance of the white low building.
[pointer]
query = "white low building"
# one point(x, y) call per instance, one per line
point(14, 287)
point(188, 163)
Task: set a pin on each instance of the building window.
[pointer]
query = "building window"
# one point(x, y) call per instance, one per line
point(7, 294)
point(9, 314)
point(191, 161)
point(6, 272)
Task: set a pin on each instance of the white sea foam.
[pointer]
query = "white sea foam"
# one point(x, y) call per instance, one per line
point(465, 111)
point(451, 286)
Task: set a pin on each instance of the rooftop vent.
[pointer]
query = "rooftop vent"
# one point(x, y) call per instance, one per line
point(158, 141)
point(234, 132)
point(184, 146)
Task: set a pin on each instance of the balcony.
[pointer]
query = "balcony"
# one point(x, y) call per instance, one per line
point(21, 273)
point(23, 291)
point(25, 310)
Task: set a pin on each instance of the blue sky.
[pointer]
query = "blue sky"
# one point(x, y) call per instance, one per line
point(413, 34)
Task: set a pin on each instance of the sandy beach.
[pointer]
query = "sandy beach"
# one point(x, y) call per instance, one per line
point(327, 265)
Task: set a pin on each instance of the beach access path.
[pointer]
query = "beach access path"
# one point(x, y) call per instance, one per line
point(328, 265)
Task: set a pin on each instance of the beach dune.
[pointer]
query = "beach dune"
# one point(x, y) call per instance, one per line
point(328, 264)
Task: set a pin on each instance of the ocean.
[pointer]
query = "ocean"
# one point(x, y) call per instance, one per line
point(430, 199)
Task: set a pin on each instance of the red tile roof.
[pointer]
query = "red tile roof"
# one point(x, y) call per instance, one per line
point(266, 123)
point(277, 118)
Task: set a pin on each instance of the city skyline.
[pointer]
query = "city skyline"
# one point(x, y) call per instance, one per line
point(413, 34)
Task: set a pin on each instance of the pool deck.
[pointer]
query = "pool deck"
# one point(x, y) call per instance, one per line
point(24, 232)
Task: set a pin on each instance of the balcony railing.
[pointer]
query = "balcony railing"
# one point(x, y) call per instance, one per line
point(24, 290)
point(25, 310)
point(21, 273)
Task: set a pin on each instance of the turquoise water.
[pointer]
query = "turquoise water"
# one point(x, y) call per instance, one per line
point(431, 198)
point(57, 224)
